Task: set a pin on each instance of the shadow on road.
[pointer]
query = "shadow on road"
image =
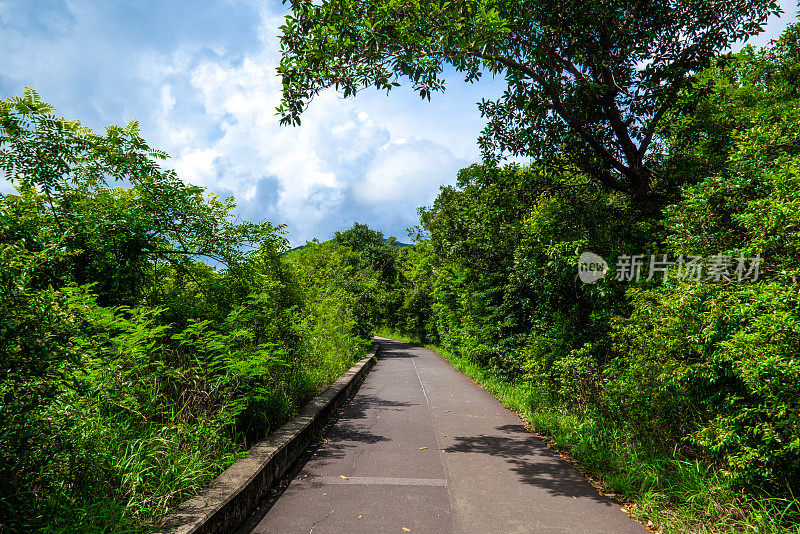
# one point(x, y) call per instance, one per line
point(531, 460)
point(392, 349)
point(364, 403)
point(352, 427)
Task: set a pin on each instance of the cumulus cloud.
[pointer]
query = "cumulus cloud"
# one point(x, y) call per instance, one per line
point(343, 164)
point(201, 80)
point(406, 170)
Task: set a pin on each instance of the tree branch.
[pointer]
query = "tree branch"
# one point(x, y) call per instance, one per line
point(558, 107)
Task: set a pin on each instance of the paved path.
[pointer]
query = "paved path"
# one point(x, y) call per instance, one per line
point(424, 449)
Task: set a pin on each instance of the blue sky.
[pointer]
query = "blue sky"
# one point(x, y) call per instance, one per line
point(200, 78)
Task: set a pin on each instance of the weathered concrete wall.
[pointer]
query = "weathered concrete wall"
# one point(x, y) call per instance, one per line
point(235, 494)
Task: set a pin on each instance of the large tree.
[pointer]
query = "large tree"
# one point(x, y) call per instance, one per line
point(588, 80)
point(118, 237)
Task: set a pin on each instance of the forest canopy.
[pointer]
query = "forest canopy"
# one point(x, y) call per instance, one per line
point(588, 82)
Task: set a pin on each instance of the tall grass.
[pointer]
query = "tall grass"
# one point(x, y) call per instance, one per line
point(669, 493)
point(119, 471)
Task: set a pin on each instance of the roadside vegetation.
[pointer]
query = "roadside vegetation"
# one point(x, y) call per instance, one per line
point(148, 337)
point(680, 396)
point(132, 371)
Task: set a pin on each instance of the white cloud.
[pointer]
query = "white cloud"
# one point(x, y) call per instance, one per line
point(406, 172)
point(167, 100)
point(196, 166)
point(201, 79)
point(340, 164)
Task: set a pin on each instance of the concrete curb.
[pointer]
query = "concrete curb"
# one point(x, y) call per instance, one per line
point(237, 492)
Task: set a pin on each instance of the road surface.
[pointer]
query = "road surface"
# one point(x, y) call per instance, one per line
point(423, 449)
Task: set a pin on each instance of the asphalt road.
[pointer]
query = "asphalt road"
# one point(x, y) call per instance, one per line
point(423, 449)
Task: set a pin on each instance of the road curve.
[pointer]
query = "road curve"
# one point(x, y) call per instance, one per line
point(423, 449)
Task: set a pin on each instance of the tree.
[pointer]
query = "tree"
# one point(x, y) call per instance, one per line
point(372, 252)
point(736, 151)
point(117, 237)
point(588, 81)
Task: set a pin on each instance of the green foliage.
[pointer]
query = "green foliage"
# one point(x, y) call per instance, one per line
point(503, 246)
point(121, 239)
point(682, 395)
point(370, 249)
point(416, 276)
point(587, 82)
point(743, 159)
point(333, 315)
point(132, 373)
point(716, 368)
point(371, 252)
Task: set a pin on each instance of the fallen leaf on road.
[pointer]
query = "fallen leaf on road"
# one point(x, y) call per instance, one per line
point(447, 411)
point(423, 448)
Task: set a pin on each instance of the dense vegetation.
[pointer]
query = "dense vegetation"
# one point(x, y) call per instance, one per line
point(132, 372)
point(148, 337)
point(682, 394)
